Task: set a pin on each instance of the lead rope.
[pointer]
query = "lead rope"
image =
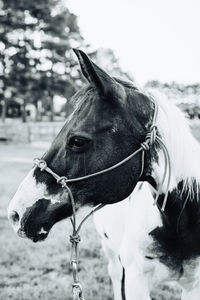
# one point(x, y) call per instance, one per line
point(151, 138)
point(77, 291)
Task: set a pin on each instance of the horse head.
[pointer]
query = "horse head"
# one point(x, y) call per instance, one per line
point(109, 121)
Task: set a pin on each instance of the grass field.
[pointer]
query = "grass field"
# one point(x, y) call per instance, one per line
point(31, 271)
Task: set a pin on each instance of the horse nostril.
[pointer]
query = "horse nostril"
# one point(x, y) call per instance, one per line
point(14, 218)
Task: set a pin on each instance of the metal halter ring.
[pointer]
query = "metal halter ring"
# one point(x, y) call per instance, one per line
point(77, 291)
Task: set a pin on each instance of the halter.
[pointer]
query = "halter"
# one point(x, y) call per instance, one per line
point(151, 138)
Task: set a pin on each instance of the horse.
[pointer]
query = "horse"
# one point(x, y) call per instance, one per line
point(126, 149)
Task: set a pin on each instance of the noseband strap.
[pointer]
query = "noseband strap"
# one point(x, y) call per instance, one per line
point(152, 138)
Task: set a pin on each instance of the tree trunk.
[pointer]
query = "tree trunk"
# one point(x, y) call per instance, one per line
point(51, 94)
point(38, 116)
point(52, 110)
point(24, 119)
point(3, 112)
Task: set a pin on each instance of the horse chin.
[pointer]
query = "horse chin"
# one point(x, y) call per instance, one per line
point(37, 236)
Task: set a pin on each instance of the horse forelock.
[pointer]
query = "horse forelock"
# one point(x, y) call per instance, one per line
point(89, 102)
point(82, 101)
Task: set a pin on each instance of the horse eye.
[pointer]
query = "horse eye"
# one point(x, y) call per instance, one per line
point(77, 143)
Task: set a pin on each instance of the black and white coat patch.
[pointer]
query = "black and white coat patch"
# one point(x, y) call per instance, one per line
point(149, 251)
point(156, 246)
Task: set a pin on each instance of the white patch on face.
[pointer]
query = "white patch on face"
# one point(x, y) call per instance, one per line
point(28, 193)
point(42, 230)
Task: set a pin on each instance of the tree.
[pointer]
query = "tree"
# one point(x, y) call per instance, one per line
point(35, 51)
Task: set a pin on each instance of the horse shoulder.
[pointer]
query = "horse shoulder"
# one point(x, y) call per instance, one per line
point(142, 217)
point(124, 227)
point(110, 223)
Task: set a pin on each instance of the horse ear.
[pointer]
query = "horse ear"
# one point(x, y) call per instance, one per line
point(95, 75)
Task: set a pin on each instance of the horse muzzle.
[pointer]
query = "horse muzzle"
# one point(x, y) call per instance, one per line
point(37, 220)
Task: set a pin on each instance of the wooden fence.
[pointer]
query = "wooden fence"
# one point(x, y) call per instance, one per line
point(29, 132)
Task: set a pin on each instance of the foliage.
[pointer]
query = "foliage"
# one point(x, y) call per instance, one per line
point(174, 88)
point(35, 51)
point(187, 96)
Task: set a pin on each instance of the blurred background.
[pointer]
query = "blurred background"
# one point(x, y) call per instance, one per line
point(153, 43)
point(39, 72)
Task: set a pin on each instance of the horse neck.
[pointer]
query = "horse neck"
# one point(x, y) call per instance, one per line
point(184, 150)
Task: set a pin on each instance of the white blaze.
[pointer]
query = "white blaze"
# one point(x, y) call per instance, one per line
point(28, 193)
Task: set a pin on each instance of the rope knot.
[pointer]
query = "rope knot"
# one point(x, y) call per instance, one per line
point(154, 127)
point(153, 133)
point(150, 137)
point(40, 163)
point(63, 181)
point(145, 145)
point(75, 238)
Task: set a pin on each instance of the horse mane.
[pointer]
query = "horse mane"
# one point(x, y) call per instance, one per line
point(184, 149)
point(174, 129)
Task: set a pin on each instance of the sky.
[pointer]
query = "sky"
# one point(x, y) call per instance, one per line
point(154, 39)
